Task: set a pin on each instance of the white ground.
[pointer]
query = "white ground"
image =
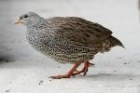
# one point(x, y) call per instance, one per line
point(24, 70)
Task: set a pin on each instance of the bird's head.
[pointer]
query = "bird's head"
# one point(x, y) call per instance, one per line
point(28, 18)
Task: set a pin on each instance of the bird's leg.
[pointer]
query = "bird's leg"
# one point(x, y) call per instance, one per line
point(84, 70)
point(77, 71)
point(69, 74)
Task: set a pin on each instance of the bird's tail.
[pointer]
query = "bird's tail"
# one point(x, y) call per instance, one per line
point(116, 42)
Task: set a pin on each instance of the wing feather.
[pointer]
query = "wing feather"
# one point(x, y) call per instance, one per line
point(79, 30)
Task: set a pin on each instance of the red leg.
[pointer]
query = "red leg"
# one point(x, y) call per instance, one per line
point(85, 69)
point(69, 74)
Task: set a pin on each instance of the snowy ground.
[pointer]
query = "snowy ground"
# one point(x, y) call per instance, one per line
point(24, 70)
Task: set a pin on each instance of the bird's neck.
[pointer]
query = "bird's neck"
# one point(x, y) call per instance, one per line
point(36, 23)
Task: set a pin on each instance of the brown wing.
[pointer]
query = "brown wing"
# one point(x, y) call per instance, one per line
point(80, 30)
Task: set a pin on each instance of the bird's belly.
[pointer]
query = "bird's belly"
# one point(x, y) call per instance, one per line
point(61, 52)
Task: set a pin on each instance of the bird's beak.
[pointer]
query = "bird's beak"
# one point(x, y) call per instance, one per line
point(18, 21)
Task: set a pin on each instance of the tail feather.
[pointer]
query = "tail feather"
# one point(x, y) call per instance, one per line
point(117, 42)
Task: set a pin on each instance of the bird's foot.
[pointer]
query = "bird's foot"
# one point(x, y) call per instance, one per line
point(69, 74)
point(74, 71)
point(60, 76)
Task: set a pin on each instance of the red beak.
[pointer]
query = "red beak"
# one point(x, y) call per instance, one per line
point(18, 21)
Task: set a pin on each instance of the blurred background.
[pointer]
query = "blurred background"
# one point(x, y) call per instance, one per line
point(16, 55)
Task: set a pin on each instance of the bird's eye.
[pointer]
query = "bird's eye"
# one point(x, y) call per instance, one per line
point(25, 16)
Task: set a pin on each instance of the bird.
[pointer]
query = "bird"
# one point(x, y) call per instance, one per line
point(71, 40)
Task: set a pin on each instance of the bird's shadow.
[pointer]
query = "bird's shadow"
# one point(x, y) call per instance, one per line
point(6, 58)
point(105, 77)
